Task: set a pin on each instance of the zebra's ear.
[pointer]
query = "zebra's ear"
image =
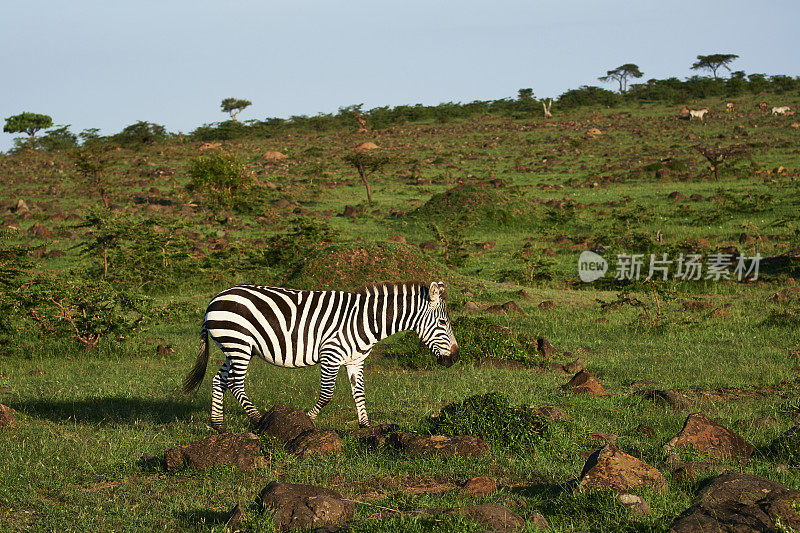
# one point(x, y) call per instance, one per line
point(434, 293)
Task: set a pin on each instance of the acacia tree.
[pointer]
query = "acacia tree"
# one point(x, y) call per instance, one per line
point(234, 106)
point(713, 62)
point(28, 123)
point(621, 75)
point(366, 163)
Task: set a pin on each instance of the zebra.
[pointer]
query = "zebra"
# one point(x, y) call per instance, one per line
point(298, 328)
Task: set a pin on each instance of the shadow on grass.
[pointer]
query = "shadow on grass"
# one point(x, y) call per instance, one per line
point(200, 519)
point(110, 410)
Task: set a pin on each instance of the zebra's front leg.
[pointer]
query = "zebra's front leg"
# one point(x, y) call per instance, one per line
point(355, 373)
point(218, 386)
point(327, 384)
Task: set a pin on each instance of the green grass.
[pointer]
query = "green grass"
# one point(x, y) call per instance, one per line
point(86, 418)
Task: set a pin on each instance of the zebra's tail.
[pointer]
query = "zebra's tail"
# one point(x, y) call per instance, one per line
point(198, 372)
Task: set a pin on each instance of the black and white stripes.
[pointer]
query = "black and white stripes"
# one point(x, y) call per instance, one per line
point(295, 328)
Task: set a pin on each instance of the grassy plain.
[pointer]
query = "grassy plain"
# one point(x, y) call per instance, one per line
point(85, 417)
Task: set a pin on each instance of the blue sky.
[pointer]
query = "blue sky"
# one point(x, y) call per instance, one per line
point(107, 64)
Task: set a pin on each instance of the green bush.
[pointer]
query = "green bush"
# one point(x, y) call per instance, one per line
point(490, 417)
point(141, 133)
point(481, 338)
point(221, 177)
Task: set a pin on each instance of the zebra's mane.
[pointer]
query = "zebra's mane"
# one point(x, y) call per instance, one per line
point(393, 285)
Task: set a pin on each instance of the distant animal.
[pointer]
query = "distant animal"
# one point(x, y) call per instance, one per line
point(730, 107)
point(700, 113)
point(763, 106)
point(298, 328)
point(783, 110)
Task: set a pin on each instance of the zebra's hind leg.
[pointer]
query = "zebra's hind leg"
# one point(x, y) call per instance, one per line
point(328, 382)
point(218, 386)
point(355, 373)
point(239, 364)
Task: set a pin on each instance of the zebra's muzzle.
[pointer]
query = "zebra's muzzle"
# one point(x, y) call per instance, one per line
point(448, 360)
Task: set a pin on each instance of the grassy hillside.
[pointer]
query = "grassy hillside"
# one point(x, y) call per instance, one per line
point(119, 250)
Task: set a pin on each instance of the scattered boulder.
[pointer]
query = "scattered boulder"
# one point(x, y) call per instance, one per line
point(273, 155)
point(645, 431)
point(319, 442)
point(676, 195)
point(461, 445)
point(234, 518)
point(398, 238)
point(524, 295)
point(576, 366)
point(666, 398)
point(429, 246)
point(635, 504)
point(296, 506)
point(704, 435)
point(470, 307)
point(284, 423)
point(594, 131)
point(235, 449)
point(584, 383)
point(544, 347)
point(163, 350)
point(696, 197)
point(21, 208)
point(350, 211)
point(40, 232)
point(508, 308)
point(479, 487)
point(547, 305)
point(608, 437)
point(688, 472)
point(369, 145)
point(7, 419)
point(787, 445)
point(735, 502)
point(492, 516)
point(550, 412)
point(611, 468)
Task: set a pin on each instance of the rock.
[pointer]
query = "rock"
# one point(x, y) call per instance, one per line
point(576, 366)
point(374, 436)
point(319, 442)
point(304, 506)
point(696, 197)
point(282, 203)
point(544, 347)
point(739, 502)
point(524, 295)
point(234, 518)
point(611, 468)
point(492, 516)
point(608, 437)
point(21, 208)
point(398, 238)
point(461, 445)
point(367, 146)
point(787, 445)
point(702, 434)
point(479, 487)
point(284, 423)
point(273, 155)
point(163, 350)
point(550, 412)
point(688, 472)
point(508, 308)
point(635, 504)
point(350, 211)
point(470, 307)
point(584, 383)
point(208, 146)
point(547, 305)
point(666, 398)
point(429, 246)
point(40, 232)
point(235, 449)
point(645, 431)
point(7, 419)
point(676, 195)
point(594, 131)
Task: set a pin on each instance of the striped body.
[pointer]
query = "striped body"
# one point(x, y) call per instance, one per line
point(297, 328)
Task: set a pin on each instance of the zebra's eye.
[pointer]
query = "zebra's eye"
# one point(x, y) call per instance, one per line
point(442, 321)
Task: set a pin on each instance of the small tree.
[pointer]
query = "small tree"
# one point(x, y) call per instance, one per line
point(713, 62)
point(234, 106)
point(366, 163)
point(621, 75)
point(28, 123)
point(524, 95)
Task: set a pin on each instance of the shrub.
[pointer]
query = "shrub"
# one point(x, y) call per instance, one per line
point(481, 338)
point(140, 133)
point(221, 177)
point(490, 417)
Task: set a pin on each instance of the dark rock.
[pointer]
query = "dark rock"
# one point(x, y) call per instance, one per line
point(429, 246)
point(550, 412)
point(688, 472)
point(304, 506)
point(666, 398)
point(611, 468)
point(584, 383)
point(524, 295)
point(461, 445)
point(696, 197)
point(645, 431)
point(492, 516)
point(7, 419)
point(319, 442)
point(547, 305)
point(608, 437)
point(235, 449)
point(576, 366)
point(55, 253)
point(164, 350)
point(704, 435)
point(234, 518)
point(739, 502)
point(479, 487)
point(40, 232)
point(284, 423)
point(544, 347)
point(787, 445)
point(282, 203)
point(676, 195)
point(470, 307)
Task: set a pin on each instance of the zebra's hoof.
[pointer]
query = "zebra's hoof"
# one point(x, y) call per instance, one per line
point(364, 424)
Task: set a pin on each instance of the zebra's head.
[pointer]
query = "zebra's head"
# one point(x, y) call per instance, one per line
point(435, 329)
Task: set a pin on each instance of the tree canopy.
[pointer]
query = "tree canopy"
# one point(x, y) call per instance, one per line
point(713, 62)
point(234, 106)
point(28, 123)
point(621, 75)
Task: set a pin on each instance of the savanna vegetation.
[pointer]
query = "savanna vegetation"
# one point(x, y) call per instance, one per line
point(111, 247)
